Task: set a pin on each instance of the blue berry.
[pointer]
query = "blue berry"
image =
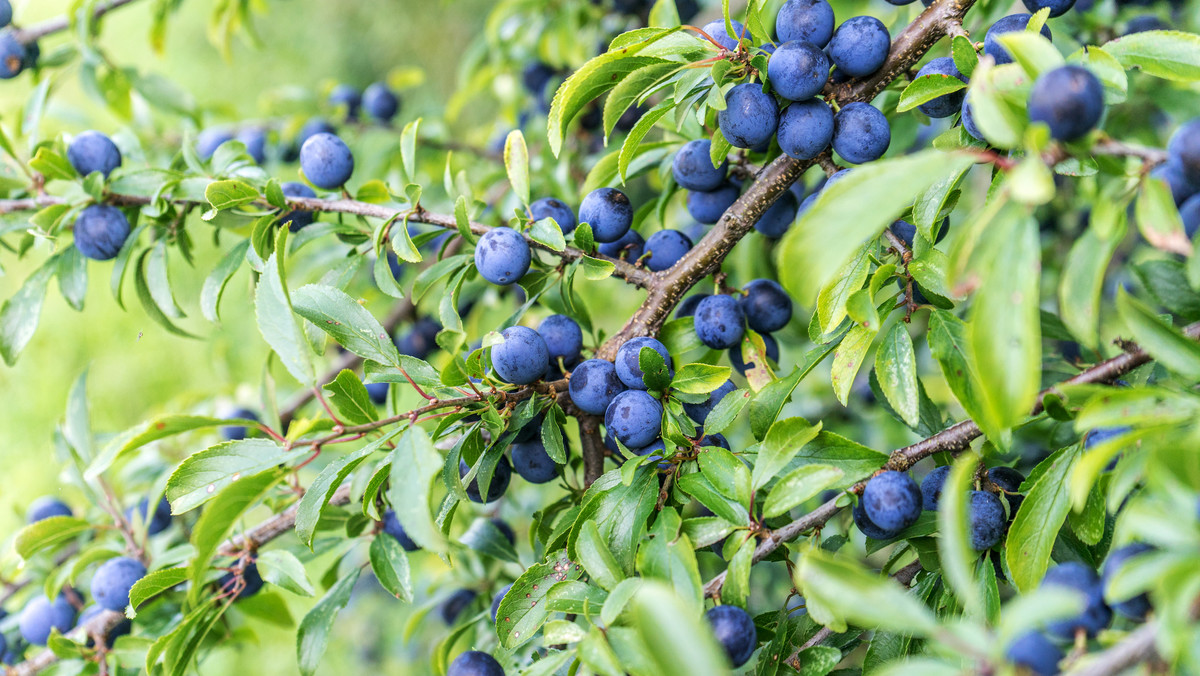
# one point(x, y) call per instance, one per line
point(235, 432)
point(986, 514)
point(766, 305)
point(502, 256)
point(348, 97)
point(297, 218)
point(90, 613)
point(750, 117)
point(718, 440)
point(861, 133)
point(1057, 7)
point(860, 46)
point(707, 207)
point(1008, 480)
point(716, 30)
point(326, 161)
point(892, 500)
point(535, 76)
point(931, 487)
point(1143, 23)
point(46, 507)
point(687, 307)
point(5, 19)
point(946, 104)
point(798, 70)
point(93, 151)
point(453, 606)
point(720, 322)
point(634, 418)
point(531, 461)
point(693, 168)
point(209, 140)
point(377, 392)
point(1189, 213)
point(770, 346)
point(699, 412)
point(1069, 99)
point(497, 599)
point(1102, 434)
point(734, 629)
point(629, 248)
point(968, 121)
point(628, 364)
point(521, 358)
point(868, 527)
point(101, 231)
point(499, 484)
point(1172, 173)
point(505, 530)
point(421, 340)
point(380, 102)
point(810, 20)
point(475, 663)
point(530, 430)
point(158, 522)
point(1134, 608)
point(1184, 150)
point(248, 585)
point(40, 615)
point(1036, 653)
point(563, 337)
point(805, 129)
point(255, 140)
point(113, 580)
point(1008, 24)
point(313, 127)
point(13, 55)
point(593, 385)
point(1079, 578)
point(666, 247)
point(548, 207)
point(392, 526)
point(609, 213)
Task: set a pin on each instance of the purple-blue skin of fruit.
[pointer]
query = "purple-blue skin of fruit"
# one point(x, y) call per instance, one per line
point(158, 522)
point(113, 580)
point(1069, 99)
point(535, 76)
point(348, 96)
point(1008, 24)
point(502, 256)
point(251, 582)
point(687, 307)
point(93, 151)
point(563, 337)
point(209, 140)
point(255, 140)
point(311, 128)
point(805, 129)
point(892, 500)
point(750, 117)
point(1189, 213)
point(1102, 434)
point(593, 385)
point(530, 430)
point(931, 487)
point(101, 231)
point(716, 30)
point(497, 599)
point(452, 607)
point(500, 478)
point(717, 440)
point(1096, 614)
point(1008, 480)
point(326, 161)
point(1184, 150)
point(1143, 23)
point(298, 218)
point(628, 364)
point(40, 615)
point(798, 70)
point(707, 207)
point(533, 463)
point(860, 46)
point(521, 358)
point(946, 104)
point(421, 340)
point(377, 392)
point(1036, 653)
point(1137, 607)
point(656, 450)
point(766, 305)
point(14, 56)
point(392, 526)
point(968, 121)
point(634, 418)
point(505, 530)
point(734, 629)
point(46, 507)
point(770, 346)
point(778, 217)
point(665, 248)
point(235, 432)
point(719, 322)
point(1172, 173)
point(907, 232)
point(1057, 7)
point(475, 663)
point(548, 207)
point(5, 19)
point(810, 20)
point(380, 102)
point(693, 168)
point(699, 412)
point(987, 519)
point(861, 133)
point(868, 527)
point(629, 248)
point(609, 213)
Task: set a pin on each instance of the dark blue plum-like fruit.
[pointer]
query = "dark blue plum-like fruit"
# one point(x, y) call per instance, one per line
point(421, 340)
point(718, 440)
point(707, 207)
point(1102, 434)
point(861, 133)
point(593, 385)
point(13, 55)
point(93, 151)
point(1184, 150)
point(502, 256)
point(475, 663)
point(235, 432)
point(248, 584)
point(521, 358)
point(531, 461)
point(5, 19)
point(255, 141)
point(946, 104)
point(716, 30)
point(297, 218)
point(156, 522)
point(380, 102)
point(1036, 653)
point(665, 248)
point(501, 476)
point(1069, 99)
point(1079, 578)
point(693, 168)
point(1136, 607)
point(377, 392)
point(548, 207)
point(629, 248)
point(806, 129)
point(720, 322)
point(113, 580)
point(209, 140)
point(609, 213)
point(311, 128)
point(968, 121)
point(931, 487)
point(90, 613)
point(348, 97)
point(868, 527)
point(892, 500)
point(497, 599)
point(766, 305)
point(634, 418)
point(699, 412)
point(393, 527)
point(530, 430)
point(1189, 213)
point(535, 76)
point(860, 46)
point(505, 530)
point(770, 345)
point(987, 519)
point(101, 231)
point(628, 364)
point(563, 337)
point(1172, 173)
point(46, 507)
point(1057, 7)
point(810, 20)
point(1143, 23)
point(326, 161)
point(734, 629)
point(1009, 24)
point(907, 232)
point(687, 307)
point(1008, 480)
point(779, 216)
point(750, 117)
point(453, 606)
point(40, 615)
point(798, 70)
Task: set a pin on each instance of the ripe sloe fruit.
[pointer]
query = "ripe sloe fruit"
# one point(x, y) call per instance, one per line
point(255, 140)
point(1008, 480)
point(521, 358)
point(770, 346)
point(778, 217)
point(475, 663)
point(699, 412)
point(716, 30)
point(687, 307)
point(348, 96)
point(1184, 150)
point(40, 615)
point(155, 523)
point(810, 20)
point(986, 514)
point(101, 231)
point(209, 140)
point(12, 55)
point(1077, 577)
point(867, 526)
point(931, 487)
point(1134, 608)
point(693, 168)
point(93, 151)
point(805, 129)
point(1036, 653)
point(860, 46)
point(497, 599)
point(502, 256)
point(1070, 100)
point(720, 322)
point(628, 364)
point(798, 70)
point(548, 207)
point(892, 500)
point(298, 218)
point(629, 248)
point(377, 392)
point(380, 102)
point(861, 133)
point(326, 161)
point(235, 432)
point(750, 117)
point(393, 527)
point(113, 580)
point(593, 385)
point(454, 605)
point(5, 19)
point(1008, 24)
point(563, 337)
point(500, 478)
point(766, 305)
point(1057, 7)
point(609, 213)
point(946, 104)
point(46, 507)
point(121, 629)
point(734, 629)
point(666, 247)
point(707, 207)
point(1172, 173)
point(531, 461)
point(634, 418)
point(251, 582)
point(312, 127)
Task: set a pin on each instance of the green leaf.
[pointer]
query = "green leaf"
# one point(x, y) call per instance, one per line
point(927, 88)
point(833, 297)
point(408, 149)
point(282, 569)
point(203, 475)
point(700, 378)
point(214, 284)
point(402, 245)
point(630, 89)
point(1081, 283)
point(954, 526)
point(52, 165)
point(389, 562)
point(596, 269)
point(1106, 68)
point(1033, 52)
point(19, 315)
point(1172, 55)
point(655, 374)
point(349, 396)
point(896, 365)
point(839, 591)
point(848, 359)
point(1042, 513)
point(593, 554)
point(153, 430)
point(698, 486)
point(727, 474)
point(548, 233)
point(276, 321)
point(47, 533)
point(159, 282)
point(315, 627)
point(620, 511)
point(522, 611)
point(783, 441)
point(1164, 342)
point(854, 459)
point(726, 411)
point(484, 537)
point(349, 323)
point(150, 299)
point(415, 466)
point(799, 486)
point(229, 194)
point(1158, 219)
point(947, 338)
point(675, 638)
point(516, 163)
point(642, 127)
point(668, 555)
point(155, 583)
point(965, 58)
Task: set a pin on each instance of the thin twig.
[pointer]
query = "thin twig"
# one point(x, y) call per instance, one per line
point(62, 23)
point(1135, 648)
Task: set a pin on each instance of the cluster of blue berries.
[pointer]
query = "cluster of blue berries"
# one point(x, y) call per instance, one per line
point(720, 320)
point(1181, 172)
point(15, 55)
